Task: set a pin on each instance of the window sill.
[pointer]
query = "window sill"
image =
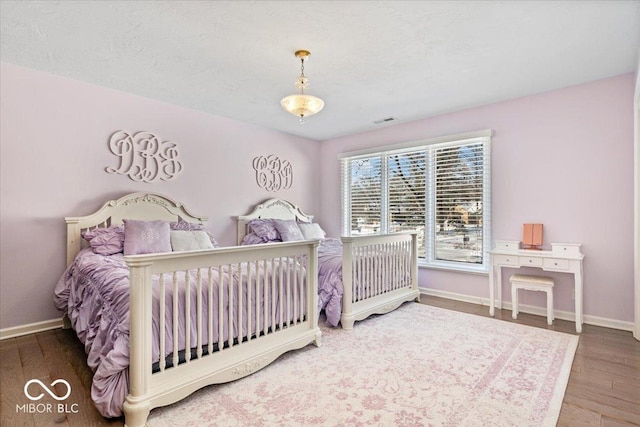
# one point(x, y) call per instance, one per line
point(480, 270)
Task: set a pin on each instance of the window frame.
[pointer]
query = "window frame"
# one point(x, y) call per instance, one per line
point(429, 261)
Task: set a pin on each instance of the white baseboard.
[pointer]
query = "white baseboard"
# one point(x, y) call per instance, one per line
point(30, 328)
point(530, 309)
point(454, 296)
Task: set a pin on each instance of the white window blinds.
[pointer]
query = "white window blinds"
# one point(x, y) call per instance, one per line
point(364, 195)
point(441, 189)
point(406, 193)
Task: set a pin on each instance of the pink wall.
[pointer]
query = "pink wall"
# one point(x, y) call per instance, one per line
point(569, 150)
point(562, 158)
point(54, 150)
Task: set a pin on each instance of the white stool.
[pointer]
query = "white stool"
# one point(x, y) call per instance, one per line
point(532, 283)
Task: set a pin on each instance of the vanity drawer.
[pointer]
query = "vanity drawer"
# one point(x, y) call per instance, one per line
point(566, 248)
point(555, 264)
point(506, 259)
point(530, 261)
point(507, 245)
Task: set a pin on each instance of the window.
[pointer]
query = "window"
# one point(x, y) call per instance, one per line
point(439, 187)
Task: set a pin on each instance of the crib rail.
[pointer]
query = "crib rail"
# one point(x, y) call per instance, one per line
point(379, 273)
point(242, 306)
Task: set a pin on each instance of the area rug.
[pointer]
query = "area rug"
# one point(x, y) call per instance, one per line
point(416, 366)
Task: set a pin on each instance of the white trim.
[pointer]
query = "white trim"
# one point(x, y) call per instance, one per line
point(636, 210)
point(539, 311)
point(454, 296)
point(486, 133)
point(478, 269)
point(30, 328)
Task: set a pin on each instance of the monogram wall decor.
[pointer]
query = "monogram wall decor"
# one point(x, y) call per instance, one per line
point(144, 157)
point(272, 173)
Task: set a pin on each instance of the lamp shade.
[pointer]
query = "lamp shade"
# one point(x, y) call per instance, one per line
point(302, 105)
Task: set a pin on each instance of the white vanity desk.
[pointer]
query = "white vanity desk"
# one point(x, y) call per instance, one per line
point(563, 258)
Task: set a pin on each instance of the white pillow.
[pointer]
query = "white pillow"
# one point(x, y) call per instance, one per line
point(192, 240)
point(311, 230)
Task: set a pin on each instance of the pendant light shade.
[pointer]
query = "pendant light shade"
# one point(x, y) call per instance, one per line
point(302, 105)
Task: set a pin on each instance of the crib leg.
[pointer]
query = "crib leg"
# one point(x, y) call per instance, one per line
point(136, 414)
point(347, 322)
point(318, 341)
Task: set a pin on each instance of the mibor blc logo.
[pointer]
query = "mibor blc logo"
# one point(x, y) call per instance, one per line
point(47, 389)
point(31, 392)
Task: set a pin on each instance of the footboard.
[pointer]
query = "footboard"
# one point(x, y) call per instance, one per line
point(205, 317)
point(378, 274)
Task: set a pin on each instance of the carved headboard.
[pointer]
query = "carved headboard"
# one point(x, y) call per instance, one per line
point(272, 208)
point(141, 206)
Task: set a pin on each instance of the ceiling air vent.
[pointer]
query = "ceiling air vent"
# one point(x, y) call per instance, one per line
point(388, 119)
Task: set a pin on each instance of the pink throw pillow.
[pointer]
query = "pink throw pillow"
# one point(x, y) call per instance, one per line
point(146, 237)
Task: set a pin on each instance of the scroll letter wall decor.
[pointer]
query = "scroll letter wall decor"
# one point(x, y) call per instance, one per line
point(273, 174)
point(143, 157)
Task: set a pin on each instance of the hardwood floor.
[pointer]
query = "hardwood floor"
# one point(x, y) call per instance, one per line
point(47, 356)
point(603, 389)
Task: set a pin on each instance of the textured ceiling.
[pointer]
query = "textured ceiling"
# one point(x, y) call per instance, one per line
point(369, 59)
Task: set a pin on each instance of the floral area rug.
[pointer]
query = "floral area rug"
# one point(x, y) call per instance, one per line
point(416, 366)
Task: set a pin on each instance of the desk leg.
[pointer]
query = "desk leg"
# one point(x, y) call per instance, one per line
point(578, 296)
point(491, 291)
point(499, 287)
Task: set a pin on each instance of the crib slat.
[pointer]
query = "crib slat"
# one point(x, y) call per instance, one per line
point(175, 318)
point(240, 296)
point(161, 314)
point(303, 281)
point(382, 273)
point(199, 313)
point(273, 293)
point(399, 257)
point(265, 314)
point(289, 269)
point(258, 275)
point(280, 294)
point(393, 266)
point(384, 256)
point(210, 310)
point(365, 273)
point(230, 325)
point(220, 309)
point(250, 267)
point(356, 271)
point(370, 278)
point(187, 317)
point(295, 290)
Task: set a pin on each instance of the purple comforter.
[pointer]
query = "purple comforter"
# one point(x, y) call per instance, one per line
point(94, 293)
point(330, 279)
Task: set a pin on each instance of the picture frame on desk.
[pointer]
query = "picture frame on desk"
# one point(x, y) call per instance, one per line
point(532, 236)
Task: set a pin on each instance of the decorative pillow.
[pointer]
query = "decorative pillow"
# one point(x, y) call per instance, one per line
point(181, 224)
point(108, 243)
point(190, 240)
point(90, 234)
point(265, 229)
point(146, 237)
point(288, 230)
point(311, 230)
point(251, 239)
point(106, 240)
